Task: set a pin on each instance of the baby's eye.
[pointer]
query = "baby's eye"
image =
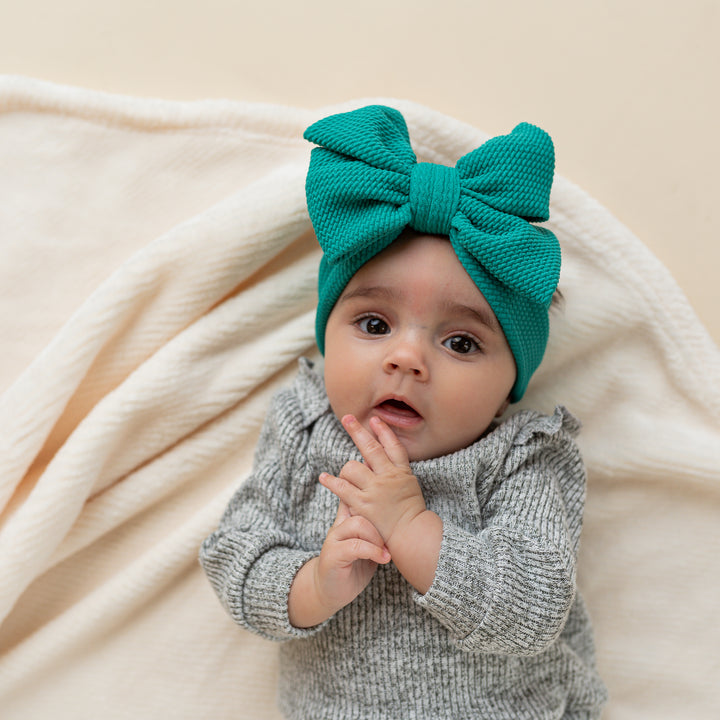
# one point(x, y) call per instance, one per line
point(461, 344)
point(373, 326)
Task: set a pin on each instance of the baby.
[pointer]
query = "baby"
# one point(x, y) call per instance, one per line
point(415, 554)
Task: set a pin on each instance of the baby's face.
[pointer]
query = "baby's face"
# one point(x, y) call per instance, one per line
point(413, 341)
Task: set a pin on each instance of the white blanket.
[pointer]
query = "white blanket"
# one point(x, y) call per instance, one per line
point(157, 284)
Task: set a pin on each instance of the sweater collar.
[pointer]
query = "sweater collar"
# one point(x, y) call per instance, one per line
point(310, 389)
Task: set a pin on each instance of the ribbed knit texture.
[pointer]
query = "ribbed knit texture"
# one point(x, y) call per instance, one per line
point(364, 187)
point(501, 633)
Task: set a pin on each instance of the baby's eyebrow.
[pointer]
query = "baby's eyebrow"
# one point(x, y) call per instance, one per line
point(380, 292)
point(480, 313)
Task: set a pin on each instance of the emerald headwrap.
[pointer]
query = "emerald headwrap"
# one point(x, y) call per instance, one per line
point(364, 187)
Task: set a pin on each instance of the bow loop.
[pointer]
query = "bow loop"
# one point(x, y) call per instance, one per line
point(359, 180)
point(376, 135)
point(504, 256)
point(512, 173)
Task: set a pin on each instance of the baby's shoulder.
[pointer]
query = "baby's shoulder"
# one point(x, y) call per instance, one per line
point(527, 426)
point(548, 442)
point(308, 393)
point(295, 408)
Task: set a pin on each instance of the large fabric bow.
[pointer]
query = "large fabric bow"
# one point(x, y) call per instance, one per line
point(365, 186)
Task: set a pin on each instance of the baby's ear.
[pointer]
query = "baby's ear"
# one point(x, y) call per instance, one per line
point(557, 304)
point(503, 407)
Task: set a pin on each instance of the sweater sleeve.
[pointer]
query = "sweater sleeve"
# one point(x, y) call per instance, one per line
point(253, 556)
point(508, 588)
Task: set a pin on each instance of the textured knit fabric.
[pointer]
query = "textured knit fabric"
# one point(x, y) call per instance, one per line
point(364, 187)
point(502, 632)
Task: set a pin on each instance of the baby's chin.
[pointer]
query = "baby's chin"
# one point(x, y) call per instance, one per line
point(418, 451)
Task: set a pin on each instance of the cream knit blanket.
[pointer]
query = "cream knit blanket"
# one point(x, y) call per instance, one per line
point(157, 273)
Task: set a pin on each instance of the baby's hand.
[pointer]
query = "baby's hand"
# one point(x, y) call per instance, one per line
point(383, 489)
point(352, 550)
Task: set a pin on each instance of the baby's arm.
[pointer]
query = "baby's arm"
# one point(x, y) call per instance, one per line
point(350, 554)
point(254, 555)
point(508, 589)
point(384, 490)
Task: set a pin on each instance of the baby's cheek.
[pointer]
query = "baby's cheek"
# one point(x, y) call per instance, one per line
point(471, 417)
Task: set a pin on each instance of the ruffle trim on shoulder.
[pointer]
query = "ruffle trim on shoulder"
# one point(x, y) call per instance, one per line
point(562, 420)
point(309, 388)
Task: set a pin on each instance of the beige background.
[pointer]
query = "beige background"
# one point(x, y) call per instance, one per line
point(627, 88)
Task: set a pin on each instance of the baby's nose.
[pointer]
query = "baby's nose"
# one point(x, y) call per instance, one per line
point(406, 356)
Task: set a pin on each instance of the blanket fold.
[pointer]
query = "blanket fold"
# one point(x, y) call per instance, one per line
point(157, 285)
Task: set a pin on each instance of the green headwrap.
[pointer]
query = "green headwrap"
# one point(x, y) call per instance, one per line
point(365, 186)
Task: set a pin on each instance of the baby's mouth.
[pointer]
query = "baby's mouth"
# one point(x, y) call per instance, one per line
point(397, 412)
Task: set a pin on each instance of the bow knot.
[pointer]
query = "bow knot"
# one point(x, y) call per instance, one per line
point(434, 197)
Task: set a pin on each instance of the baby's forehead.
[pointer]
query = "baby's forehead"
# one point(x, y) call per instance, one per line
point(414, 256)
point(411, 248)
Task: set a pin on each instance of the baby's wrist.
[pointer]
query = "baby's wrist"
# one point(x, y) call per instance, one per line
point(306, 607)
point(416, 552)
point(409, 527)
point(324, 602)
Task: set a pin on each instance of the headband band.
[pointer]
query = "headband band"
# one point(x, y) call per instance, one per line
point(364, 187)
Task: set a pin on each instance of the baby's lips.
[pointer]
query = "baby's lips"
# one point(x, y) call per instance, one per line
point(399, 407)
point(398, 413)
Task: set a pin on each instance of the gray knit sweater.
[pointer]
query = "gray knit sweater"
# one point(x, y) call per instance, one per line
point(502, 632)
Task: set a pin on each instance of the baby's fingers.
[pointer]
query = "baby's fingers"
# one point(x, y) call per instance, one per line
point(354, 549)
point(343, 514)
point(393, 447)
point(356, 538)
point(343, 489)
point(370, 447)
